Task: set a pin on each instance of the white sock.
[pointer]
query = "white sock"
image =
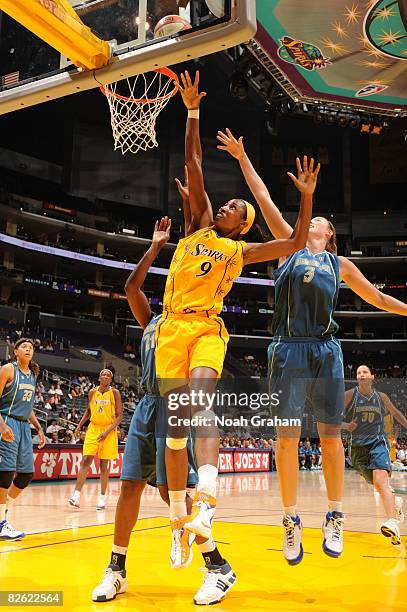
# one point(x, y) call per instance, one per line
point(178, 506)
point(207, 475)
point(102, 496)
point(9, 502)
point(76, 495)
point(335, 506)
point(119, 550)
point(290, 510)
point(207, 546)
point(2, 512)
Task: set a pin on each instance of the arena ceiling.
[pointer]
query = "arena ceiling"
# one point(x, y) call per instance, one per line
point(351, 53)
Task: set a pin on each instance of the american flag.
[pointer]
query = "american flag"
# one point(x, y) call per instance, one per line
point(10, 79)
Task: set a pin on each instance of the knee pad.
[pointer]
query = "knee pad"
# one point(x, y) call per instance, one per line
point(176, 443)
point(6, 478)
point(22, 480)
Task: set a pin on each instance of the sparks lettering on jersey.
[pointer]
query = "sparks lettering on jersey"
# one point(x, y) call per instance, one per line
point(200, 249)
point(303, 261)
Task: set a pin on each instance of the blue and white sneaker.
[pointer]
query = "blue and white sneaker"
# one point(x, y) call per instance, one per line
point(218, 581)
point(7, 532)
point(332, 528)
point(292, 546)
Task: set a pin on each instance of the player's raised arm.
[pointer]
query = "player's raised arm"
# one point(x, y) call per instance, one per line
point(257, 252)
point(200, 206)
point(136, 297)
point(356, 281)
point(273, 217)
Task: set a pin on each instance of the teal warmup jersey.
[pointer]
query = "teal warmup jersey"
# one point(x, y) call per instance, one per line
point(368, 413)
point(147, 350)
point(306, 291)
point(18, 397)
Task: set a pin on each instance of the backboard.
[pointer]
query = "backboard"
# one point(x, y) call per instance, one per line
point(32, 72)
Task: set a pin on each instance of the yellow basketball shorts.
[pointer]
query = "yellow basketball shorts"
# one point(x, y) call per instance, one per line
point(108, 449)
point(185, 342)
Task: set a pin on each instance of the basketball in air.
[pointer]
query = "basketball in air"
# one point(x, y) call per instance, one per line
point(170, 24)
point(216, 7)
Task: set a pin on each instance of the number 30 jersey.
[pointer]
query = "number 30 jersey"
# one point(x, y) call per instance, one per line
point(202, 272)
point(18, 396)
point(306, 291)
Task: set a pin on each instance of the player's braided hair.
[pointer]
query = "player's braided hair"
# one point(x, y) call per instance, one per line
point(34, 367)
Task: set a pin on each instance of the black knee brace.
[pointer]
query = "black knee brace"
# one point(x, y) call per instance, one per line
point(22, 480)
point(6, 478)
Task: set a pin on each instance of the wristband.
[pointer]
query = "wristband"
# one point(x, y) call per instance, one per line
point(193, 113)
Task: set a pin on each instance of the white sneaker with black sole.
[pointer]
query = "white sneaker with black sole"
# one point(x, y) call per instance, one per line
point(332, 528)
point(390, 529)
point(72, 501)
point(218, 581)
point(292, 545)
point(7, 532)
point(113, 583)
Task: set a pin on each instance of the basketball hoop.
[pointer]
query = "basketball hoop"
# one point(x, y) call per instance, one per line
point(135, 104)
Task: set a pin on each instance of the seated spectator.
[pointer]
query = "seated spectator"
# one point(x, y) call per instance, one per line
point(52, 389)
point(54, 438)
point(62, 419)
point(69, 437)
point(40, 387)
point(53, 428)
point(47, 406)
point(58, 390)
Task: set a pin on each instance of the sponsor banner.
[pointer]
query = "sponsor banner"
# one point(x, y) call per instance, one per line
point(244, 461)
point(62, 463)
point(100, 261)
point(61, 209)
point(251, 461)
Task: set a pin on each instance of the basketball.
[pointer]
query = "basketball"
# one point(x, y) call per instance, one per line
point(170, 24)
point(216, 7)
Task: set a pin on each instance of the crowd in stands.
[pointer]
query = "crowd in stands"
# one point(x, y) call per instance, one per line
point(309, 451)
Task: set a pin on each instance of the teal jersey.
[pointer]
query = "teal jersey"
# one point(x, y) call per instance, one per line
point(368, 413)
point(306, 291)
point(18, 396)
point(147, 350)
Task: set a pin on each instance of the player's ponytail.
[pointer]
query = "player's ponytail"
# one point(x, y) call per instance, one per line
point(33, 366)
point(331, 245)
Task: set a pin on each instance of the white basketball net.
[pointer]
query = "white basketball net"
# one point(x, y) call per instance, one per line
point(135, 109)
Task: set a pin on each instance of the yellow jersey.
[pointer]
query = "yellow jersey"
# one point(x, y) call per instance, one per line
point(102, 408)
point(202, 272)
point(388, 424)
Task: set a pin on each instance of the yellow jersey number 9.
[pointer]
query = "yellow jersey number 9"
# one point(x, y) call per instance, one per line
point(206, 267)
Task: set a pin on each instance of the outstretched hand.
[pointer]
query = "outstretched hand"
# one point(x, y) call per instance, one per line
point(161, 233)
point(189, 90)
point(307, 176)
point(183, 189)
point(234, 147)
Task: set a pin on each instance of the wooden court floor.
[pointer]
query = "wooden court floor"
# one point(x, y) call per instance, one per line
point(68, 550)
